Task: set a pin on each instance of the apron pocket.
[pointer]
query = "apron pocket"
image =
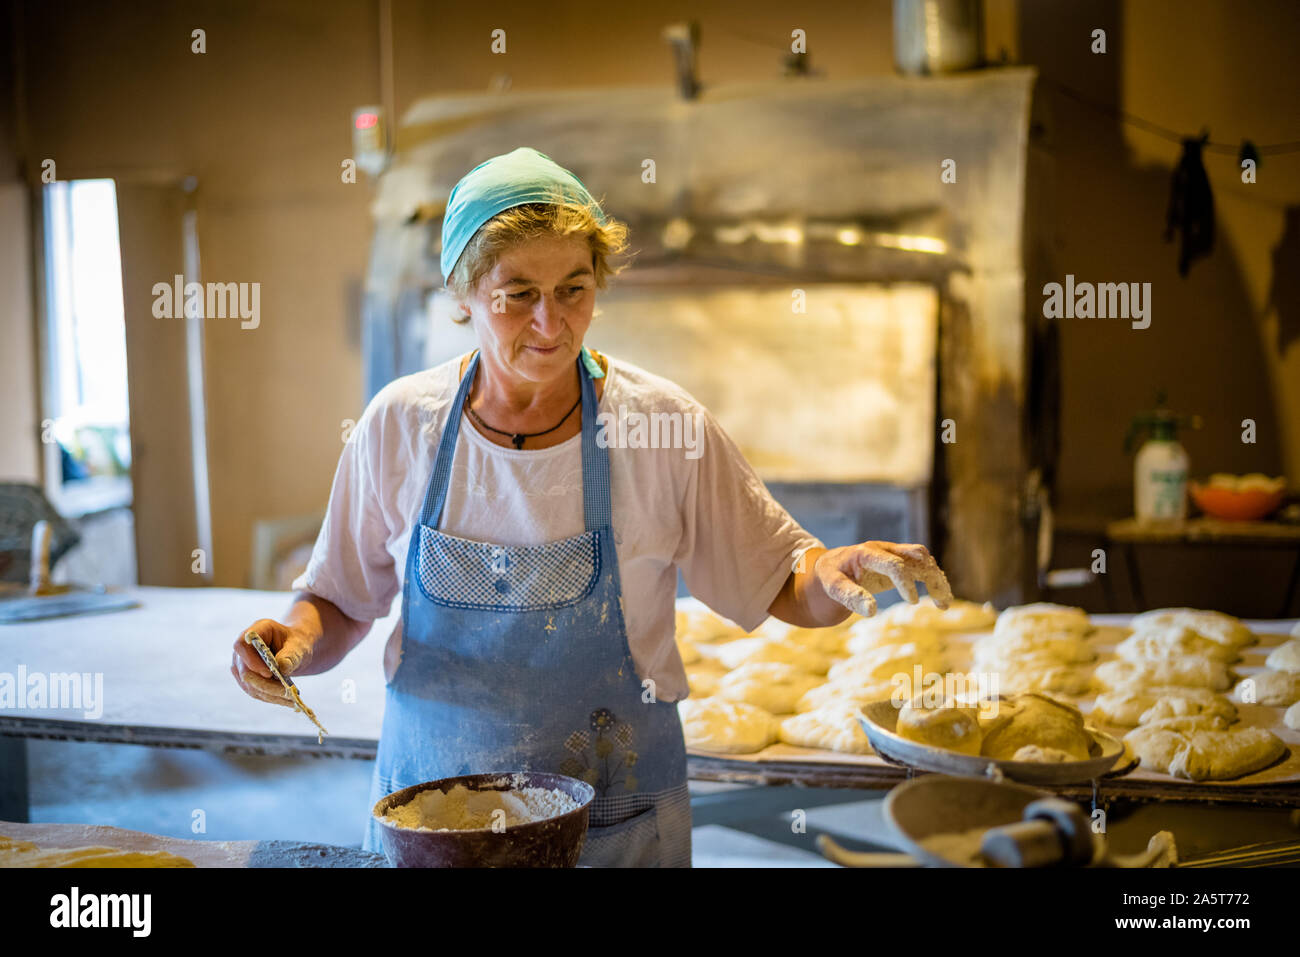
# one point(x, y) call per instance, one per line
point(459, 573)
point(630, 843)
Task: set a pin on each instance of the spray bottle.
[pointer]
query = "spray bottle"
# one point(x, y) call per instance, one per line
point(1161, 467)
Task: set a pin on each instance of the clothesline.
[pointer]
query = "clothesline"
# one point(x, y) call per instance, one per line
point(1230, 149)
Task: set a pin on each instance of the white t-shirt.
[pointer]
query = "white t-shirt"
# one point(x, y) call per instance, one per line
point(698, 508)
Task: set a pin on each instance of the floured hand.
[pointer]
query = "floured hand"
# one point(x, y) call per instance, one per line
point(852, 573)
point(252, 675)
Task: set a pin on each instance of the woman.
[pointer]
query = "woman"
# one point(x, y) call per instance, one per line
point(537, 561)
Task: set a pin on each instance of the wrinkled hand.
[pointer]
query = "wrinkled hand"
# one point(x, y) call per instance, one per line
point(850, 574)
point(250, 671)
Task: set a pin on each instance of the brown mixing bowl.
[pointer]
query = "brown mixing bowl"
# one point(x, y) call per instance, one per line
point(553, 842)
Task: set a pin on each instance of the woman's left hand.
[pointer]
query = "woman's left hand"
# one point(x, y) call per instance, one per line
point(850, 574)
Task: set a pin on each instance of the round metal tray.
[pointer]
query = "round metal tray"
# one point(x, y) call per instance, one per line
point(880, 718)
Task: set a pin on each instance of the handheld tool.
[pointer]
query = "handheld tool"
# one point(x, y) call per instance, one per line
point(290, 689)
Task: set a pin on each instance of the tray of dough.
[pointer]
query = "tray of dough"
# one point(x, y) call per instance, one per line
point(1227, 738)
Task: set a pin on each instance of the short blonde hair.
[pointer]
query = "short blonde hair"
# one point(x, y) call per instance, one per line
point(518, 224)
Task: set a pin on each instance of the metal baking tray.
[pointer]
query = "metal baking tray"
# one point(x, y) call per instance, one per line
point(880, 718)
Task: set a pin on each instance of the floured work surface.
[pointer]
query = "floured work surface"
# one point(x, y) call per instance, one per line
point(115, 678)
point(1277, 784)
point(198, 853)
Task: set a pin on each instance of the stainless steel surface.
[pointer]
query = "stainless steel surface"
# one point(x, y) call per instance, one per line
point(937, 36)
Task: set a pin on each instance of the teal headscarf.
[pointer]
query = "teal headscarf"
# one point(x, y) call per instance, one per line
point(511, 179)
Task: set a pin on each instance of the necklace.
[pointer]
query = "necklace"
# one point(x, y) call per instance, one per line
point(518, 437)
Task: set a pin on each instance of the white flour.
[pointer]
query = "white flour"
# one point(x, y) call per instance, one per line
point(461, 809)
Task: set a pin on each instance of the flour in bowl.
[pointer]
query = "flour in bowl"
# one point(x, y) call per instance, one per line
point(461, 809)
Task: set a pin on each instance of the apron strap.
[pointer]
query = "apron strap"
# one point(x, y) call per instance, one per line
point(597, 512)
point(435, 496)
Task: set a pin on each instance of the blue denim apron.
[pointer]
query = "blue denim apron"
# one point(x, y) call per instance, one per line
point(515, 658)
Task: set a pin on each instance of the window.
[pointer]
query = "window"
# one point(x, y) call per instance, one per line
point(88, 465)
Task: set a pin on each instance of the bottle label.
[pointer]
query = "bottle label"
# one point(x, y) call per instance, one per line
point(1169, 486)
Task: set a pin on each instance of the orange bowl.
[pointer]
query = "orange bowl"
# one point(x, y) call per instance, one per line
point(1234, 506)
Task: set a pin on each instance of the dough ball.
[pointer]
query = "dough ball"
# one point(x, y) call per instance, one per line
point(1058, 679)
point(1292, 717)
point(958, 616)
point(1192, 671)
point(1203, 748)
point(884, 634)
point(1136, 705)
point(1032, 752)
point(1214, 625)
point(1035, 719)
point(944, 723)
point(1036, 672)
point(1044, 615)
point(771, 686)
point(16, 853)
point(1188, 704)
point(728, 727)
point(701, 625)
point(1285, 657)
point(688, 650)
point(1190, 722)
point(1067, 647)
point(1153, 642)
point(777, 650)
point(827, 641)
point(882, 664)
point(703, 678)
point(1277, 689)
point(849, 692)
point(1123, 706)
point(1026, 658)
point(834, 727)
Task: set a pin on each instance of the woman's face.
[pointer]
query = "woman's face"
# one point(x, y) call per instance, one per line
point(532, 310)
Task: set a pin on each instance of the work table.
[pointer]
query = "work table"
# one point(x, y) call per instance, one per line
point(200, 853)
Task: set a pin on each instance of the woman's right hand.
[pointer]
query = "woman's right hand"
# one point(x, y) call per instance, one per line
point(291, 649)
